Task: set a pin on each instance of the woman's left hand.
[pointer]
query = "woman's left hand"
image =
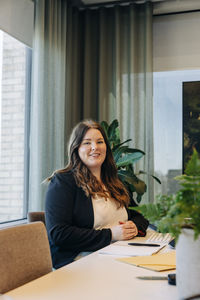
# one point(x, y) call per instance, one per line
point(129, 230)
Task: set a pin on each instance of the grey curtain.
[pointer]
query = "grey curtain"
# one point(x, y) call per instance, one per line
point(88, 64)
point(47, 136)
point(110, 73)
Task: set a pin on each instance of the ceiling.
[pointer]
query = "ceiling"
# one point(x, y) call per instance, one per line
point(159, 6)
point(93, 2)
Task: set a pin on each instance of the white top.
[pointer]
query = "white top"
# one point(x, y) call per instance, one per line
point(107, 213)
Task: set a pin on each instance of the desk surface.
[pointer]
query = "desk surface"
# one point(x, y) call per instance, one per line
point(96, 277)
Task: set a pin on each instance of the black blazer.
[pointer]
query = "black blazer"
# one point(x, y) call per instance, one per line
point(70, 218)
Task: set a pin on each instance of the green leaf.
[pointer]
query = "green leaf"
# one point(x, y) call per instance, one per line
point(105, 127)
point(139, 198)
point(112, 129)
point(127, 176)
point(118, 145)
point(130, 169)
point(151, 211)
point(122, 150)
point(137, 150)
point(140, 187)
point(193, 165)
point(132, 150)
point(137, 185)
point(118, 152)
point(129, 159)
point(156, 178)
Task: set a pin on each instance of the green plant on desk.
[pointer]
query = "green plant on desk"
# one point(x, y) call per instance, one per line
point(179, 214)
point(125, 158)
point(172, 213)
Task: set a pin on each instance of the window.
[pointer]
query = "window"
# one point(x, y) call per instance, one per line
point(168, 126)
point(15, 60)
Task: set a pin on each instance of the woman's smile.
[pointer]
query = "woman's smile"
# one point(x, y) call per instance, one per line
point(95, 154)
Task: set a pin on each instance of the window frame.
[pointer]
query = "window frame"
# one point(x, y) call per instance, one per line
point(27, 114)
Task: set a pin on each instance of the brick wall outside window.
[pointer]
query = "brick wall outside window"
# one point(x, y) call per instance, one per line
point(12, 102)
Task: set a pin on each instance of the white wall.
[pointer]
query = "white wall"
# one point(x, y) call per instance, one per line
point(16, 18)
point(176, 42)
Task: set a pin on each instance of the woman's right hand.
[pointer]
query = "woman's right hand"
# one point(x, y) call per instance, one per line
point(124, 231)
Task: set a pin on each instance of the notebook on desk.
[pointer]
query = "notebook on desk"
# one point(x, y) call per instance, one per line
point(157, 237)
point(158, 262)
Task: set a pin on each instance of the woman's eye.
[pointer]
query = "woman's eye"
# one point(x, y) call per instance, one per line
point(86, 143)
point(100, 142)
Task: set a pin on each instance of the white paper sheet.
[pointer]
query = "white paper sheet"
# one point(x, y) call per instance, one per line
point(122, 249)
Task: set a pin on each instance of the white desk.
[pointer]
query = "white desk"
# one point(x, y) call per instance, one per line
point(96, 277)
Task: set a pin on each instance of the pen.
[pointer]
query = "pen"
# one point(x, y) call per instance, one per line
point(153, 277)
point(144, 244)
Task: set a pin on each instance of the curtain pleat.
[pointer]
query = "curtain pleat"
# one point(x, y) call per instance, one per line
point(47, 136)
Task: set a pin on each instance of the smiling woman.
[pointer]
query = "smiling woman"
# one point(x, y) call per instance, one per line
point(86, 203)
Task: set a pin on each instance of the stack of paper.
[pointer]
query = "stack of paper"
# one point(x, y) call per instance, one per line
point(158, 262)
point(122, 249)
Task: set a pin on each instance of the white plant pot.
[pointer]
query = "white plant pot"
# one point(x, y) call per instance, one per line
point(188, 265)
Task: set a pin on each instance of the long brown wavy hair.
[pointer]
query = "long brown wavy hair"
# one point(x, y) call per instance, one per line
point(84, 178)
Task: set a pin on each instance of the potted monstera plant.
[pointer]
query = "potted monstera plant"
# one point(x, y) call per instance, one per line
point(125, 157)
point(179, 214)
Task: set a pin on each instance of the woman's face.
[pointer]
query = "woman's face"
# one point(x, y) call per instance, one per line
point(92, 150)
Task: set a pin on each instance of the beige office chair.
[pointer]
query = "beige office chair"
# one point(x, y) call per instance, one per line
point(34, 216)
point(24, 255)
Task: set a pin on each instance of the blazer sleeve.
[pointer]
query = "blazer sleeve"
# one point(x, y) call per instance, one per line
point(69, 220)
point(138, 219)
